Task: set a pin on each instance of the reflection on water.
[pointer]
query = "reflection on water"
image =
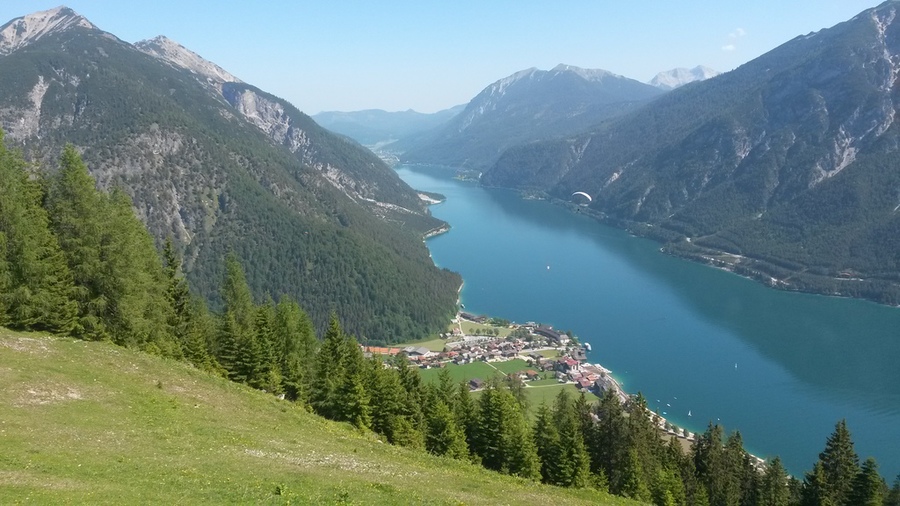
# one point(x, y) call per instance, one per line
point(781, 367)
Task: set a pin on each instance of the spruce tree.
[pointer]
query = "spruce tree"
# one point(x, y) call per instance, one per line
point(36, 286)
point(546, 442)
point(868, 486)
point(815, 491)
point(574, 464)
point(443, 436)
point(295, 339)
point(77, 214)
point(774, 485)
point(237, 348)
point(608, 448)
point(840, 464)
point(893, 496)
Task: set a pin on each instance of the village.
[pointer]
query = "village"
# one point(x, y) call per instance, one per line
point(541, 357)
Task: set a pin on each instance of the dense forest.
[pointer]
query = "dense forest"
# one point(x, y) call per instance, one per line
point(78, 261)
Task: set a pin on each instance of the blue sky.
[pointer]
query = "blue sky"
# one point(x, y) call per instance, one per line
point(427, 56)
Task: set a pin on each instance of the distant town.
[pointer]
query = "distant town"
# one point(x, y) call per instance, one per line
point(536, 354)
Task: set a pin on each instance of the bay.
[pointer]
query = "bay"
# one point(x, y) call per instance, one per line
point(702, 345)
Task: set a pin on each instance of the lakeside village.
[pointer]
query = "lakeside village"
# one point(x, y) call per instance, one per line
point(550, 358)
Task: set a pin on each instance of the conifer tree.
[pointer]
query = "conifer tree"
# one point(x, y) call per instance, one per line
point(465, 413)
point(573, 462)
point(893, 496)
point(546, 442)
point(120, 286)
point(77, 214)
point(815, 491)
point(387, 398)
point(840, 464)
point(608, 448)
point(295, 337)
point(189, 319)
point(443, 436)
point(774, 485)
point(868, 487)
point(237, 348)
point(503, 439)
point(330, 371)
point(36, 286)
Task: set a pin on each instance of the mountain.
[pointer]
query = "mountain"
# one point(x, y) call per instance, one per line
point(222, 166)
point(785, 169)
point(671, 79)
point(529, 105)
point(375, 127)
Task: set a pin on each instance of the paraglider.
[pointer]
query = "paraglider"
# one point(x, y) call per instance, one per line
point(583, 194)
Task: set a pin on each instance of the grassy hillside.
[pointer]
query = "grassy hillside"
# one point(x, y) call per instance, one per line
point(94, 423)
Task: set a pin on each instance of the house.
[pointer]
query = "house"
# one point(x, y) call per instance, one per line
point(475, 384)
point(370, 351)
point(548, 332)
point(415, 353)
point(532, 375)
point(584, 384)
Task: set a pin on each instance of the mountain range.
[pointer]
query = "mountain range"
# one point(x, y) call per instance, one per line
point(529, 105)
point(374, 127)
point(220, 165)
point(677, 77)
point(784, 169)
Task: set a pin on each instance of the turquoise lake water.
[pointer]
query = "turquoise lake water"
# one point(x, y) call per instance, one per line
point(780, 367)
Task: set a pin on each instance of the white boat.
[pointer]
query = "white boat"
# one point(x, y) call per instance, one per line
point(587, 346)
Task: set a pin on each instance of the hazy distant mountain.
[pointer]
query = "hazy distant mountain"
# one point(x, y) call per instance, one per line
point(529, 105)
point(671, 79)
point(222, 166)
point(787, 168)
point(374, 126)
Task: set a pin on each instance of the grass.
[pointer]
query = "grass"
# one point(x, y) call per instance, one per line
point(480, 370)
point(91, 423)
point(538, 395)
point(470, 328)
point(432, 343)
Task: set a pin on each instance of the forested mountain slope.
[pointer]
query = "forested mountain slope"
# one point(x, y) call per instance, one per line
point(222, 166)
point(529, 105)
point(789, 164)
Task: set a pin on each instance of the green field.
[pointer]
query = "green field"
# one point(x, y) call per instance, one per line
point(432, 343)
point(91, 423)
point(480, 370)
point(471, 328)
point(538, 395)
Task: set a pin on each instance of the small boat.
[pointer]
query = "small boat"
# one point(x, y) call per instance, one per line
point(587, 346)
point(689, 412)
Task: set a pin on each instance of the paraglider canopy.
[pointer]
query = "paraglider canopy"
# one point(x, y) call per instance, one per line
point(583, 194)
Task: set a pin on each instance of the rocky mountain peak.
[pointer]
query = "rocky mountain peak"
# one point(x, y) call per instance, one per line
point(179, 56)
point(25, 30)
point(595, 75)
point(671, 79)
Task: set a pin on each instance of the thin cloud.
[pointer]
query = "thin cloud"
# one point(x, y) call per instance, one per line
point(732, 39)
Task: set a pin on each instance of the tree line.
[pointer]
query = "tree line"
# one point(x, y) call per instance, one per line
point(75, 260)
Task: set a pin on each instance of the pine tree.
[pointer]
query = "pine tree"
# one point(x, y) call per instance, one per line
point(36, 286)
point(77, 214)
point(189, 320)
point(237, 347)
point(574, 464)
point(295, 337)
point(868, 487)
point(815, 488)
point(840, 464)
point(893, 496)
point(711, 466)
point(443, 436)
point(330, 370)
point(774, 485)
point(546, 442)
point(608, 448)
point(387, 398)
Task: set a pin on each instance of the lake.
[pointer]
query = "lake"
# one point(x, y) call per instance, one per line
point(780, 367)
